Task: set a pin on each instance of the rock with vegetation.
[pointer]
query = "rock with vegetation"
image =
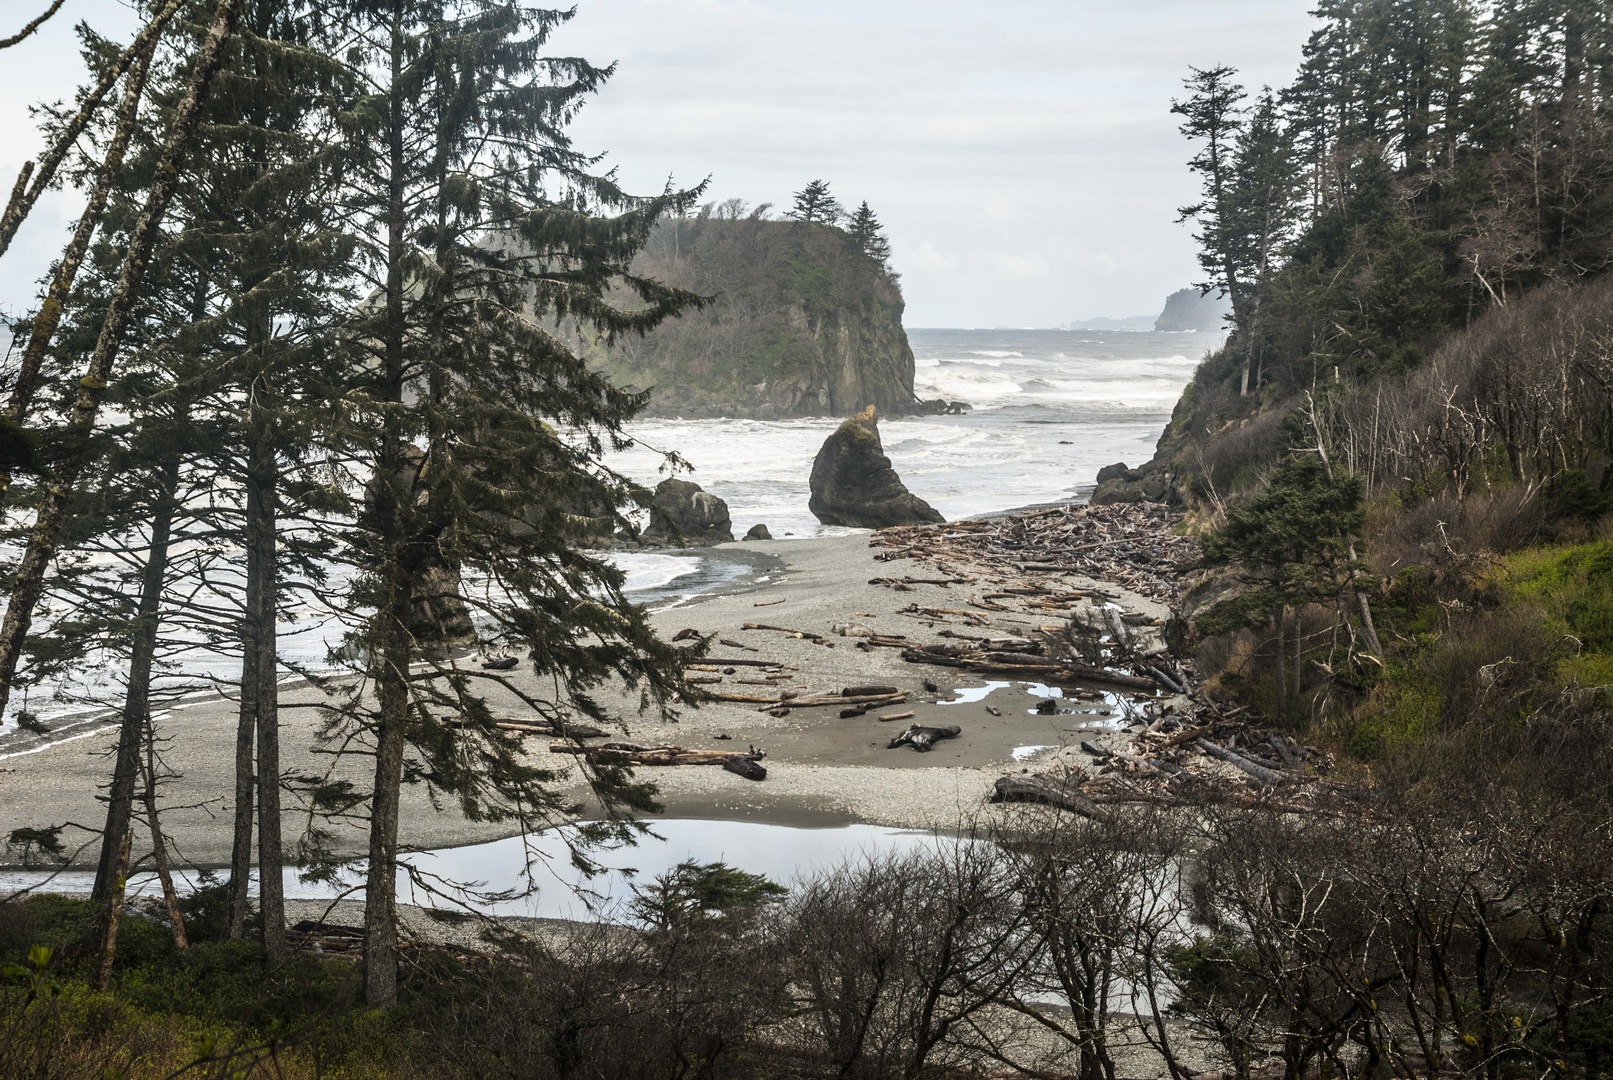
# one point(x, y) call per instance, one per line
point(684, 514)
point(802, 322)
point(854, 484)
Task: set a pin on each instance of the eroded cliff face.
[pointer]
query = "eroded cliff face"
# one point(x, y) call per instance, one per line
point(801, 324)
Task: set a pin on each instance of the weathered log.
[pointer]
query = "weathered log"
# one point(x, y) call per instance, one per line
point(921, 737)
point(1046, 791)
point(908, 715)
point(746, 699)
point(749, 768)
point(501, 663)
point(1165, 680)
point(1233, 758)
point(831, 700)
point(869, 691)
point(807, 635)
point(618, 752)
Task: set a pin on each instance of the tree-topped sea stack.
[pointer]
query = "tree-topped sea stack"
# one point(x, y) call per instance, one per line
point(854, 484)
point(805, 317)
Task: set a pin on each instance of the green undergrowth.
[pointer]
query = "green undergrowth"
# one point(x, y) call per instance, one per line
point(1531, 634)
point(211, 1011)
point(1573, 587)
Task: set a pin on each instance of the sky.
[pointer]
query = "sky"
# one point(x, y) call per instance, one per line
point(1021, 155)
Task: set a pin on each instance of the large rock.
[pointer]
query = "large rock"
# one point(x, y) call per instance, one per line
point(853, 482)
point(682, 513)
point(1118, 484)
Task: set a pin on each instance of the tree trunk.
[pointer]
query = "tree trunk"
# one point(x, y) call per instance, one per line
point(245, 778)
point(159, 845)
point(259, 705)
point(111, 919)
point(1279, 621)
point(29, 583)
point(137, 697)
point(391, 641)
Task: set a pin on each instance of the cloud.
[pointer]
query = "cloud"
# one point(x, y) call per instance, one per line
point(1040, 128)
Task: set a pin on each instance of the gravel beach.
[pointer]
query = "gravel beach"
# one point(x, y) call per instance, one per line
point(822, 769)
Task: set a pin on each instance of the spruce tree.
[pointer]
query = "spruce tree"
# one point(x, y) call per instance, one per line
point(814, 205)
point(481, 424)
point(867, 234)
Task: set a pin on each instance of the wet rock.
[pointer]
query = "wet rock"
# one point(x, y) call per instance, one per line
point(681, 513)
point(854, 484)
point(758, 532)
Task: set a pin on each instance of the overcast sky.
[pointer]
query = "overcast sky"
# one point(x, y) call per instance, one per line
point(1021, 154)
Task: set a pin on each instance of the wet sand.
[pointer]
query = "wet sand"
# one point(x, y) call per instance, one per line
point(821, 769)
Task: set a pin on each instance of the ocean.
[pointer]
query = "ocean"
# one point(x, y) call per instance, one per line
point(1048, 409)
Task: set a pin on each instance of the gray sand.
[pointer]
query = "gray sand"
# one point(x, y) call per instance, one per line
point(821, 769)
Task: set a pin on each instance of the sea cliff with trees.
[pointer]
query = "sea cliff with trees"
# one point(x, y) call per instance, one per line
point(804, 318)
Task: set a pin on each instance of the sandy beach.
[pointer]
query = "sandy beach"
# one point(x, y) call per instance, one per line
point(822, 769)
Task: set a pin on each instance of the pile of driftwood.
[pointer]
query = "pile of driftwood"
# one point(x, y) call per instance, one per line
point(1182, 759)
point(1129, 544)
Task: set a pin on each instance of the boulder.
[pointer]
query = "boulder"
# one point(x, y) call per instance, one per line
point(758, 532)
point(1148, 484)
point(681, 513)
point(1118, 471)
point(853, 482)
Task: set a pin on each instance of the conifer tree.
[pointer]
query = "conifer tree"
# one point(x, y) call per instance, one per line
point(868, 235)
point(814, 205)
point(481, 423)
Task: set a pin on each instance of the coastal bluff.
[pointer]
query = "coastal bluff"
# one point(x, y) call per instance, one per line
point(801, 323)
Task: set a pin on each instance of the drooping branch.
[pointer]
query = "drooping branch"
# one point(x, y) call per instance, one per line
point(43, 172)
point(28, 31)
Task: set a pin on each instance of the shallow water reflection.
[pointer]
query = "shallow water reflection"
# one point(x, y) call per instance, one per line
point(538, 879)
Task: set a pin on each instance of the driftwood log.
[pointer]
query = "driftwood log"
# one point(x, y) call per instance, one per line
point(625, 753)
point(1047, 791)
point(922, 738)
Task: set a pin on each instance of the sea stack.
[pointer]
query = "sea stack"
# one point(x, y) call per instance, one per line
point(854, 484)
point(683, 514)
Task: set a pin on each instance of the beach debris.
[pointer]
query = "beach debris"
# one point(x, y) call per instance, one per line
point(866, 701)
point(665, 754)
point(688, 633)
point(749, 768)
point(737, 645)
point(805, 635)
point(770, 603)
point(1061, 790)
point(501, 663)
point(888, 717)
point(921, 737)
